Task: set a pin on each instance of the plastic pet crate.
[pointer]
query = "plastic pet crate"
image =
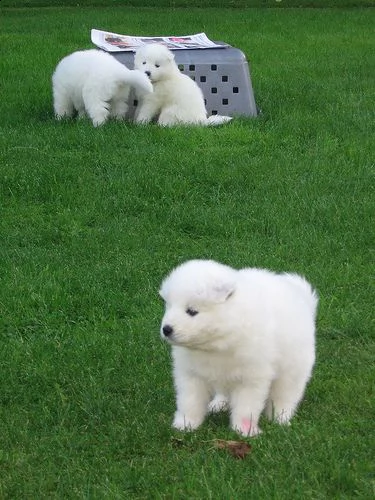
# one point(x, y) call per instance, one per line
point(222, 74)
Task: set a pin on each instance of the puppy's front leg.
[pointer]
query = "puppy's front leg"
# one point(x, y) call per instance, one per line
point(145, 111)
point(247, 404)
point(192, 400)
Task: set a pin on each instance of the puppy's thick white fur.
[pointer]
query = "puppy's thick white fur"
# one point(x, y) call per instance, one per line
point(176, 99)
point(245, 338)
point(93, 82)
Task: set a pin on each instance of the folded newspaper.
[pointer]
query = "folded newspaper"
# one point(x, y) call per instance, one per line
point(112, 42)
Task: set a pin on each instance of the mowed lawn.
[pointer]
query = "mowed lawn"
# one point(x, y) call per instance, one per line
point(93, 219)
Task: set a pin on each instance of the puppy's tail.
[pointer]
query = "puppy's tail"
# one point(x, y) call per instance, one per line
point(306, 289)
point(139, 82)
point(214, 120)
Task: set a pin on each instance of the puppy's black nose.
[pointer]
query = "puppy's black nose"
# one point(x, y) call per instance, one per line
point(167, 330)
point(148, 73)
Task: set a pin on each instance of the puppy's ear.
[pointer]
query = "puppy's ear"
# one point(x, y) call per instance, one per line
point(221, 292)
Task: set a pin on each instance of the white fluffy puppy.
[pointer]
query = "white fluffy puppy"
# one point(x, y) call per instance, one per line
point(245, 338)
point(177, 99)
point(94, 82)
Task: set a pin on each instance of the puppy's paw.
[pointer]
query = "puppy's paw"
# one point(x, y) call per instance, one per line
point(143, 120)
point(97, 121)
point(185, 423)
point(219, 403)
point(99, 114)
point(283, 419)
point(246, 427)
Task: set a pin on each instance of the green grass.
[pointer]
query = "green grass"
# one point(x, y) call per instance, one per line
point(92, 220)
point(192, 3)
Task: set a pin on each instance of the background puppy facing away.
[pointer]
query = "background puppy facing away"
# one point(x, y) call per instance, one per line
point(94, 82)
point(242, 339)
point(177, 99)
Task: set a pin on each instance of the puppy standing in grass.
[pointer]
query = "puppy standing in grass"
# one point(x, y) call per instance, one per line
point(94, 82)
point(177, 99)
point(245, 338)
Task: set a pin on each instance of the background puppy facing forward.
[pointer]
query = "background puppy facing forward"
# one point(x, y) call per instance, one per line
point(94, 82)
point(242, 337)
point(177, 99)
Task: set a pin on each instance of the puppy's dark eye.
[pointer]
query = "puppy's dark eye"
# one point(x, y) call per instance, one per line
point(157, 65)
point(144, 62)
point(191, 312)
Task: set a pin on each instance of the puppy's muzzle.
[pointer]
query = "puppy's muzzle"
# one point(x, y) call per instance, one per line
point(148, 73)
point(167, 330)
